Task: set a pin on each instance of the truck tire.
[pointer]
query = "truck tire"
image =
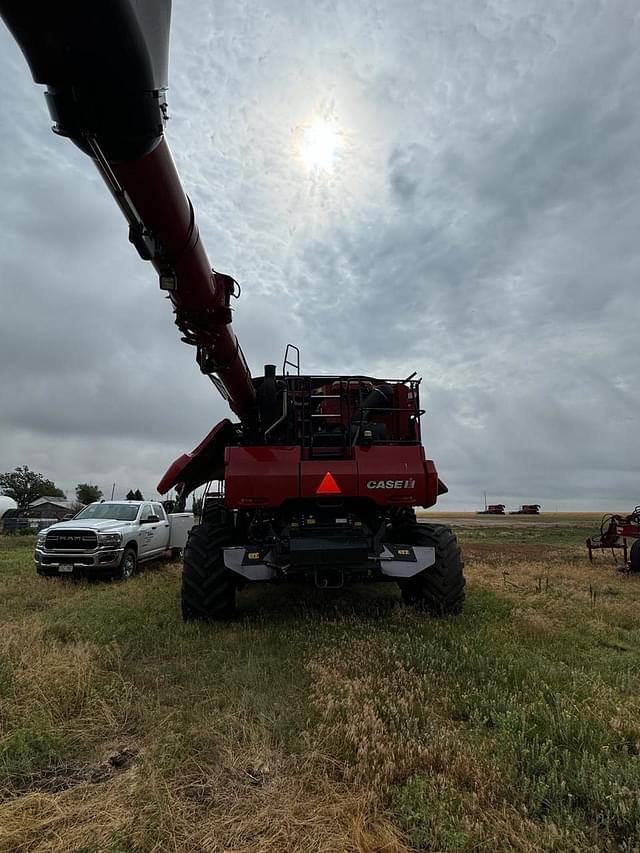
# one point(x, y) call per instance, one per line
point(634, 558)
point(128, 565)
point(208, 587)
point(439, 590)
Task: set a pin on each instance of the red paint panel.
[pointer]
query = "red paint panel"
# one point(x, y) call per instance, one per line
point(396, 476)
point(261, 476)
point(203, 463)
point(432, 484)
point(390, 476)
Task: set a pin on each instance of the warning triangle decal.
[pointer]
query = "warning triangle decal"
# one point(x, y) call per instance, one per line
point(328, 486)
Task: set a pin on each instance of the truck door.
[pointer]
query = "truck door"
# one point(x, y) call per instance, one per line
point(148, 546)
point(163, 533)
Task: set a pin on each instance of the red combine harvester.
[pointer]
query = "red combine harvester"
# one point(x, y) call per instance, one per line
point(615, 530)
point(492, 509)
point(527, 509)
point(321, 473)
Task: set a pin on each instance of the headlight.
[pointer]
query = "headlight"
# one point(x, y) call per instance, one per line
point(110, 540)
point(41, 537)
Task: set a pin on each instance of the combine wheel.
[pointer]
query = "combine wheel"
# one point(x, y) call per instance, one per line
point(634, 558)
point(208, 587)
point(438, 590)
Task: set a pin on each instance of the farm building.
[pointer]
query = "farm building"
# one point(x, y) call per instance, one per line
point(53, 508)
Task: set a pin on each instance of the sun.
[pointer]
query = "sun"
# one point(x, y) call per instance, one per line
point(321, 142)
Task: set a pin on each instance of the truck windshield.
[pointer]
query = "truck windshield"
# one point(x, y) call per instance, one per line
point(118, 512)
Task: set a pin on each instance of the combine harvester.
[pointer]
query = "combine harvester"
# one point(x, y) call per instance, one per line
point(321, 473)
point(492, 509)
point(527, 509)
point(615, 531)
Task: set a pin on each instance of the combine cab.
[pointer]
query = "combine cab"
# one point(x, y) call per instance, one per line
point(615, 531)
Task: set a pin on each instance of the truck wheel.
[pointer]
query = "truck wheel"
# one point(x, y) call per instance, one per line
point(634, 558)
point(128, 564)
point(208, 587)
point(438, 590)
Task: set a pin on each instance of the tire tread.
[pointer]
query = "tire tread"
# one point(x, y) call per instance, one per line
point(438, 590)
point(208, 587)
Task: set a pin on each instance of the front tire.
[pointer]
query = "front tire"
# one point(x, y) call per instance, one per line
point(438, 590)
point(208, 587)
point(128, 564)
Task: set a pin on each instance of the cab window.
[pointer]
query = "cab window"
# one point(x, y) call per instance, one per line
point(146, 512)
point(159, 511)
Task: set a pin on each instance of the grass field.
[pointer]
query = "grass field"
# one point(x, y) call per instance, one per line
point(328, 722)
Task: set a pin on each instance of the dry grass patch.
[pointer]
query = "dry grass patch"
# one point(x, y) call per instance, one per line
point(324, 723)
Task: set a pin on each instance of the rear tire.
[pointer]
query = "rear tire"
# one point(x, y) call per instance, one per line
point(208, 587)
point(438, 590)
point(634, 558)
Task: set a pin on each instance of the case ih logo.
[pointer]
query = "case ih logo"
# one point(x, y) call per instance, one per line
point(391, 484)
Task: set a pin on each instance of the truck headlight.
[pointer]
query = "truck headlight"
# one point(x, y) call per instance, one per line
point(41, 537)
point(110, 540)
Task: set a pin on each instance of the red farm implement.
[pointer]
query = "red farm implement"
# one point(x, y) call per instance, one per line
point(527, 509)
point(492, 509)
point(615, 531)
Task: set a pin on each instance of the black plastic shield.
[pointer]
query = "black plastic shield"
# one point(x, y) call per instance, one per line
point(105, 65)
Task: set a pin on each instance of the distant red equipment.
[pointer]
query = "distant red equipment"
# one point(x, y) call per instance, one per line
point(493, 509)
point(615, 531)
point(527, 509)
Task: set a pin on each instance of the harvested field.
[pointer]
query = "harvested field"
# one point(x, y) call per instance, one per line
point(327, 721)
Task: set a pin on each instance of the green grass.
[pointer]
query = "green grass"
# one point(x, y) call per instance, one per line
point(325, 721)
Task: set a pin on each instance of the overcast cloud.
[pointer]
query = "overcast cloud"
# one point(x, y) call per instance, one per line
point(481, 227)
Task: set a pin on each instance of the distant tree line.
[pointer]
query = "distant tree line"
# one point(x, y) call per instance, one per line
point(26, 486)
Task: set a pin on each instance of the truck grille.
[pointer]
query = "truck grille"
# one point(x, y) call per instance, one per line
point(77, 561)
point(71, 540)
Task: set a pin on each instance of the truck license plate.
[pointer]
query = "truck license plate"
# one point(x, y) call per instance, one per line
point(65, 567)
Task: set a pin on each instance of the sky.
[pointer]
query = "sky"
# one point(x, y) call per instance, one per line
point(480, 225)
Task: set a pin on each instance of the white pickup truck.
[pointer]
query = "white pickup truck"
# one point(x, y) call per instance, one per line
point(110, 538)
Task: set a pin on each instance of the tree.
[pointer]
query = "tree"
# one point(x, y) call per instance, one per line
point(50, 490)
point(134, 496)
point(26, 486)
point(87, 494)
